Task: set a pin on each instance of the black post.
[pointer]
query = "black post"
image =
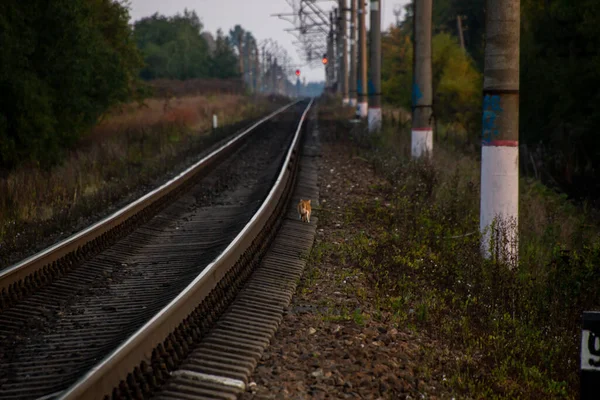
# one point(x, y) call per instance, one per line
point(590, 355)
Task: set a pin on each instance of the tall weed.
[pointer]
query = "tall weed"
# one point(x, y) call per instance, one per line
point(420, 245)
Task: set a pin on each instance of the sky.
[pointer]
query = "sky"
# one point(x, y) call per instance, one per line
point(254, 16)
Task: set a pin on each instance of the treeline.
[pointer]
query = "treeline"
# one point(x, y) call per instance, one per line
point(560, 82)
point(65, 63)
point(177, 48)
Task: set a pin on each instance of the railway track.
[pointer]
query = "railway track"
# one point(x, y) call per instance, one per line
point(115, 309)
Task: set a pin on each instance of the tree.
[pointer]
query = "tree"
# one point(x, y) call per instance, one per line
point(173, 47)
point(444, 21)
point(236, 36)
point(456, 81)
point(63, 64)
point(223, 60)
point(210, 42)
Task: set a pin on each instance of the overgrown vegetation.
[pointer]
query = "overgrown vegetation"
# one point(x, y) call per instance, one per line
point(419, 243)
point(130, 150)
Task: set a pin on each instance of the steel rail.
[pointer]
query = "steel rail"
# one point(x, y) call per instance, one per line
point(106, 375)
point(10, 276)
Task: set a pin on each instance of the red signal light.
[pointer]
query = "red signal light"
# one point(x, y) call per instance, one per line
point(325, 60)
point(297, 72)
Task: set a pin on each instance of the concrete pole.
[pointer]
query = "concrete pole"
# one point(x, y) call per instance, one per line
point(500, 136)
point(331, 57)
point(274, 75)
point(338, 50)
point(353, 55)
point(460, 31)
point(256, 70)
point(363, 104)
point(375, 76)
point(344, 52)
point(264, 69)
point(330, 61)
point(268, 73)
point(241, 51)
point(422, 129)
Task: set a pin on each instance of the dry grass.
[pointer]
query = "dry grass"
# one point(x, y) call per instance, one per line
point(129, 149)
point(194, 112)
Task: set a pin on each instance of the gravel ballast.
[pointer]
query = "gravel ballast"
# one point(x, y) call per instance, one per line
point(334, 340)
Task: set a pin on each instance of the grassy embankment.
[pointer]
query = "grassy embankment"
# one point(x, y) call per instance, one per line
point(418, 241)
point(127, 152)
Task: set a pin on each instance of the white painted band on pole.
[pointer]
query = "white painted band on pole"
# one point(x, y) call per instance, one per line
point(215, 121)
point(236, 383)
point(363, 109)
point(421, 142)
point(346, 101)
point(374, 119)
point(353, 102)
point(500, 197)
point(374, 5)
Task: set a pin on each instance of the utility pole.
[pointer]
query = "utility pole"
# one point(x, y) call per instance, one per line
point(500, 136)
point(264, 69)
point(422, 130)
point(460, 31)
point(258, 71)
point(375, 81)
point(329, 67)
point(343, 35)
point(353, 53)
point(256, 68)
point(338, 50)
point(241, 51)
point(274, 75)
point(268, 73)
point(331, 56)
point(363, 105)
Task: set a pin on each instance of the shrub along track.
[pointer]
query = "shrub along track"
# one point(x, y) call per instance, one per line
point(52, 332)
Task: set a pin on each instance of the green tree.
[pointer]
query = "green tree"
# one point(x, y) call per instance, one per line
point(223, 60)
point(444, 19)
point(236, 37)
point(457, 83)
point(62, 65)
point(173, 47)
